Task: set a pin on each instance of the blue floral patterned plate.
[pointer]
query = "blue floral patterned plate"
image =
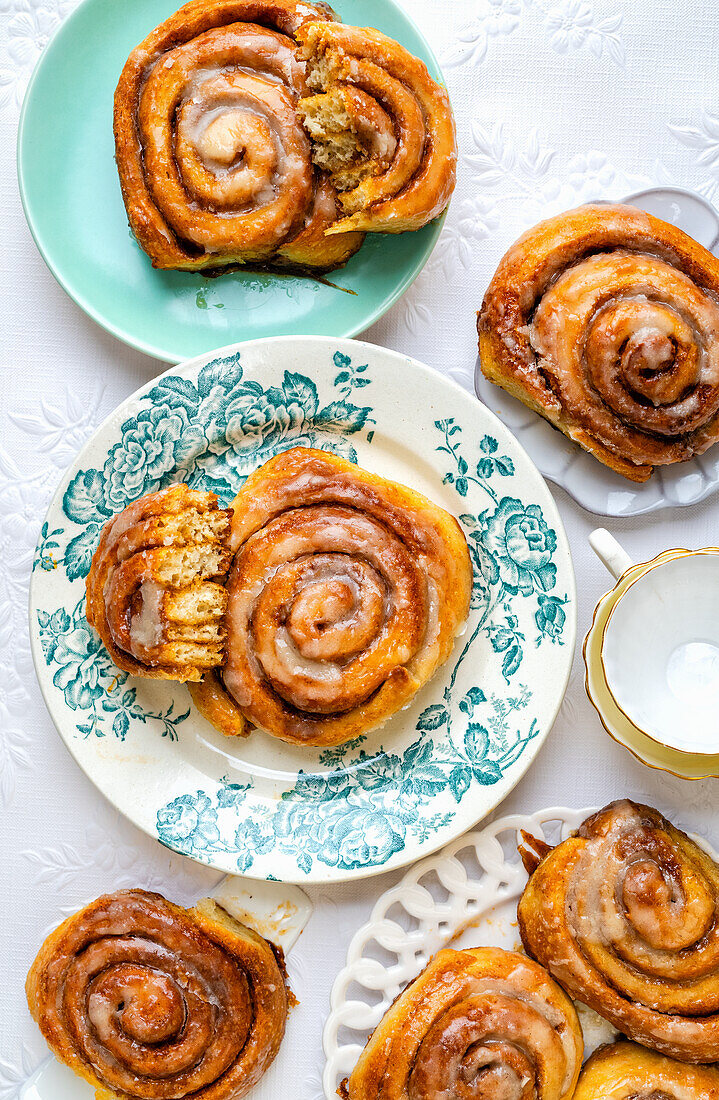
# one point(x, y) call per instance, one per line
point(257, 805)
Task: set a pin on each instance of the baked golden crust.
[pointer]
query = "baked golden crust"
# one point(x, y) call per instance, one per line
point(144, 999)
point(411, 179)
point(214, 164)
point(480, 1022)
point(153, 591)
point(216, 705)
point(626, 1071)
point(345, 595)
point(624, 914)
point(605, 321)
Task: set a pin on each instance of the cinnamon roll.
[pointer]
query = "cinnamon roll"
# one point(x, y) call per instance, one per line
point(153, 591)
point(624, 914)
point(605, 321)
point(475, 1023)
point(381, 126)
point(626, 1071)
point(144, 999)
point(215, 166)
point(346, 593)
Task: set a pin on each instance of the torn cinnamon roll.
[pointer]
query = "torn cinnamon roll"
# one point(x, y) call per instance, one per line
point(324, 607)
point(381, 126)
point(154, 591)
point(215, 166)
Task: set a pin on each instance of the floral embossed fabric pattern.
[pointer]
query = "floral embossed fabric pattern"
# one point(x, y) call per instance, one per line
point(598, 107)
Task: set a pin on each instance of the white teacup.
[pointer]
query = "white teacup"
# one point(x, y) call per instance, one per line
point(660, 646)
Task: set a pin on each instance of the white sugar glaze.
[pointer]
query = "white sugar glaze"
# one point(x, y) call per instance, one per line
point(147, 627)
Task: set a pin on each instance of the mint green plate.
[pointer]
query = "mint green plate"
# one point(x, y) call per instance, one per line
point(71, 195)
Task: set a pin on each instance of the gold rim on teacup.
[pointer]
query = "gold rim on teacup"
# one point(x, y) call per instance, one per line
point(592, 671)
point(647, 567)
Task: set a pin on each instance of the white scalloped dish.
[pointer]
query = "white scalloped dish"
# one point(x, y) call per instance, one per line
point(464, 896)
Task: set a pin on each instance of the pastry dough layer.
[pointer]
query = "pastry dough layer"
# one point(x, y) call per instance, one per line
point(214, 164)
point(153, 591)
point(404, 176)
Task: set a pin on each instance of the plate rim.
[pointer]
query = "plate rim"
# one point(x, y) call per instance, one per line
point(377, 922)
point(483, 390)
point(408, 855)
point(122, 334)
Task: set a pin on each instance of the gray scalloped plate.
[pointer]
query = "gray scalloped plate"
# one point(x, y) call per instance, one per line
point(594, 486)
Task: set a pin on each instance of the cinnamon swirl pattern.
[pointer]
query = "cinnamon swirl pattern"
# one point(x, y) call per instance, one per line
point(214, 164)
point(147, 1000)
point(153, 591)
point(402, 169)
point(214, 128)
point(345, 595)
point(625, 1071)
point(624, 915)
point(477, 1023)
point(605, 320)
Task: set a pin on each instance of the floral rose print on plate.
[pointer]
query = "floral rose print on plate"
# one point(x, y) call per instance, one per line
point(257, 805)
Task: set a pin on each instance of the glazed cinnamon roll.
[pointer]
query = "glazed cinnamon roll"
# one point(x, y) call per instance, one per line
point(345, 595)
point(605, 321)
point(153, 591)
point(381, 125)
point(475, 1023)
point(626, 1071)
point(624, 915)
point(145, 999)
point(214, 164)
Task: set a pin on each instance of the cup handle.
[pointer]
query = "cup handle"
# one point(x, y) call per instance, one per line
point(609, 552)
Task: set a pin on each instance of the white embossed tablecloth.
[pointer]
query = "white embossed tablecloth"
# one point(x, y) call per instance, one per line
point(557, 101)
